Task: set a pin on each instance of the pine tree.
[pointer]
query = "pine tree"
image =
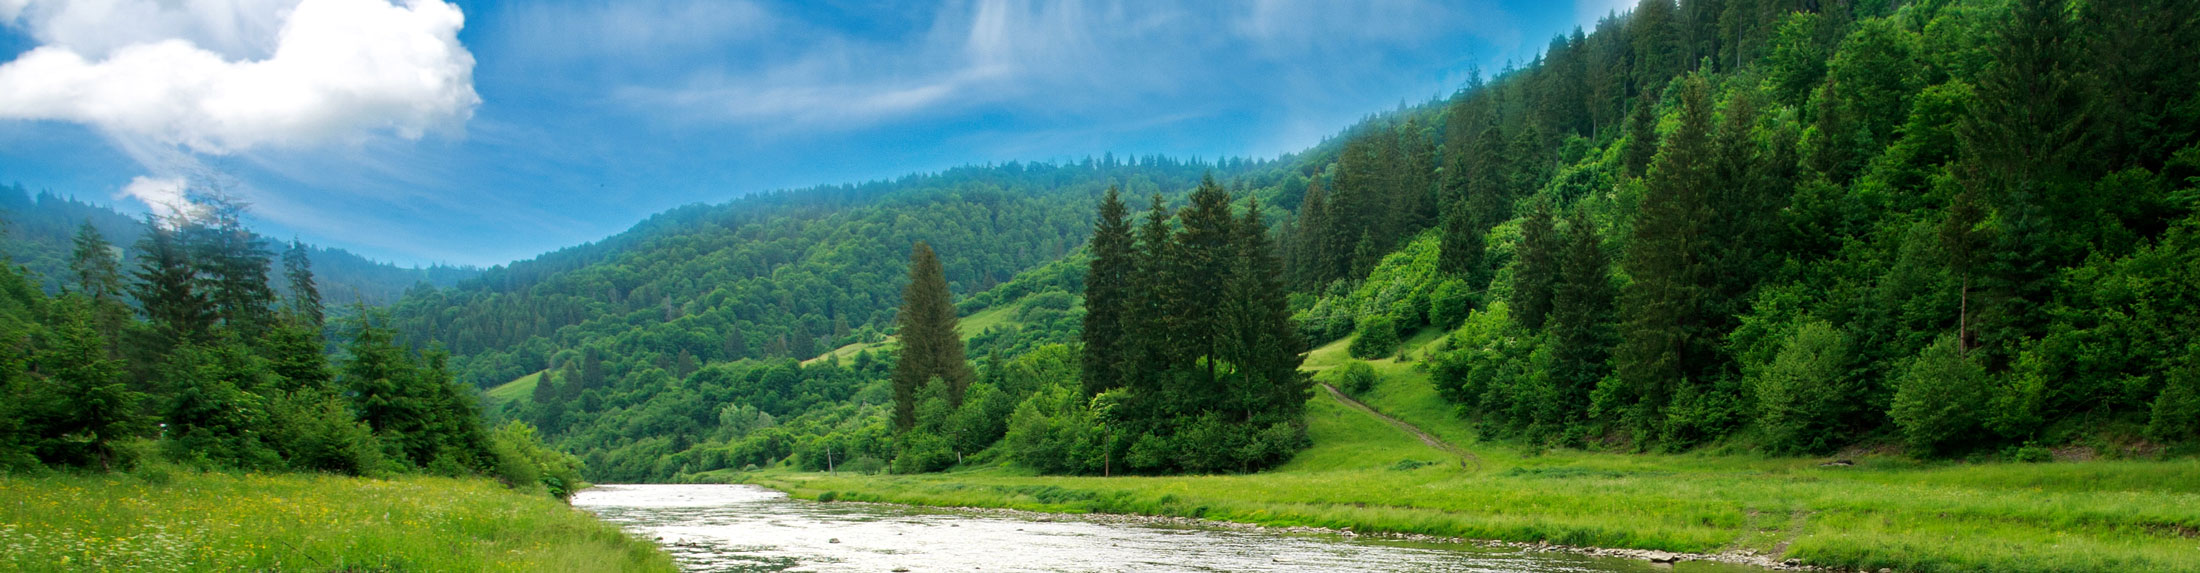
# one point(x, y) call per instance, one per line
point(1206, 248)
point(166, 284)
point(1665, 340)
point(305, 296)
point(1150, 329)
point(98, 276)
point(931, 350)
point(1642, 136)
point(1107, 296)
point(99, 408)
point(232, 265)
point(1258, 336)
point(1312, 259)
point(1580, 319)
point(1536, 269)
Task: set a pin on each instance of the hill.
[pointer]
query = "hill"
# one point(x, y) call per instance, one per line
point(40, 229)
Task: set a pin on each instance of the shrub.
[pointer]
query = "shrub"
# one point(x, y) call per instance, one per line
point(2176, 413)
point(1938, 398)
point(1803, 395)
point(1356, 377)
point(1449, 304)
point(1377, 338)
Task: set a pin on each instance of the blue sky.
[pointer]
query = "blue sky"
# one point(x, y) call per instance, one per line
point(482, 132)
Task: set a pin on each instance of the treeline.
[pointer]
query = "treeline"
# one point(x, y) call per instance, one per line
point(191, 358)
point(1963, 226)
point(40, 231)
point(1188, 361)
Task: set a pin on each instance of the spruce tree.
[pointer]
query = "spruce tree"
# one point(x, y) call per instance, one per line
point(1207, 245)
point(1536, 268)
point(1258, 337)
point(166, 285)
point(1314, 259)
point(232, 264)
point(1580, 322)
point(931, 350)
point(98, 408)
point(98, 276)
point(1665, 338)
point(305, 296)
point(1150, 329)
point(1107, 296)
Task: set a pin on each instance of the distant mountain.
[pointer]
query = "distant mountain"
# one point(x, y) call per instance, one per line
point(40, 230)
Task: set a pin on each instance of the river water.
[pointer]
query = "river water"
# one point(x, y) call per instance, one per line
point(713, 528)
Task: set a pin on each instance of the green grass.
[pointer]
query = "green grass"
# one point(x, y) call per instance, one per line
point(518, 388)
point(1883, 512)
point(168, 520)
point(999, 315)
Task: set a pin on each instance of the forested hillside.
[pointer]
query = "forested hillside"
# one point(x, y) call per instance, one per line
point(1958, 227)
point(39, 230)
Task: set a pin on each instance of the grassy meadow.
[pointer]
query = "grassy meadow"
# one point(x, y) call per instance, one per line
point(1882, 512)
point(162, 520)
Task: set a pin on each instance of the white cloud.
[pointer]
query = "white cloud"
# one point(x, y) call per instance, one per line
point(162, 193)
point(333, 70)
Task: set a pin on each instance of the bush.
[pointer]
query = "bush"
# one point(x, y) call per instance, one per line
point(921, 452)
point(1377, 338)
point(1356, 377)
point(1803, 395)
point(1449, 304)
point(2176, 413)
point(1938, 398)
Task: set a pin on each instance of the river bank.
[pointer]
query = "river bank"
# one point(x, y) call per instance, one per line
point(173, 520)
point(1875, 512)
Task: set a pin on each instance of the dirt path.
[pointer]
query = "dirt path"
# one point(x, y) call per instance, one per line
point(1465, 457)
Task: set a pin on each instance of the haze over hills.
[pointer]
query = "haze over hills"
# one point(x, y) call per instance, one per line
point(39, 229)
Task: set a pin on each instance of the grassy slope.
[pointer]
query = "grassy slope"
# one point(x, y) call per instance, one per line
point(518, 388)
point(220, 522)
point(1884, 512)
point(977, 322)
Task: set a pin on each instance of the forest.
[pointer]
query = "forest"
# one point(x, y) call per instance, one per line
point(189, 358)
point(1956, 227)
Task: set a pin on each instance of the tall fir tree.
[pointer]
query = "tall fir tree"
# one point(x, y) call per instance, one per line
point(231, 263)
point(1536, 268)
point(1580, 322)
point(1107, 296)
point(305, 296)
point(1666, 342)
point(166, 284)
point(931, 350)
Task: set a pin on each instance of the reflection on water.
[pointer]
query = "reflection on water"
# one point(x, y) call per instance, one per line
point(748, 528)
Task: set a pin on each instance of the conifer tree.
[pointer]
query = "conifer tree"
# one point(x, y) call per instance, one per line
point(231, 263)
point(1312, 258)
point(1150, 328)
point(1536, 270)
point(1665, 338)
point(1580, 319)
point(1107, 296)
point(1642, 136)
point(98, 407)
point(1258, 337)
point(931, 350)
point(166, 285)
point(305, 296)
point(1207, 246)
point(98, 276)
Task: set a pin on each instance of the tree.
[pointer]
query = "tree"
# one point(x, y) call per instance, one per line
point(1666, 347)
point(166, 283)
point(99, 408)
point(305, 297)
point(1107, 296)
point(1580, 323)
point(931, 350)
point(231, 264)
point(93, 261)
point(1536, 269)
point(1939, 398)
point(1804, 396)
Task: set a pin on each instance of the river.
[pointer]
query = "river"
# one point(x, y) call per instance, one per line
point(741, 528)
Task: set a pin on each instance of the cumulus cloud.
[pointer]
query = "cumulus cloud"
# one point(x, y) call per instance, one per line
point(215, 76)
